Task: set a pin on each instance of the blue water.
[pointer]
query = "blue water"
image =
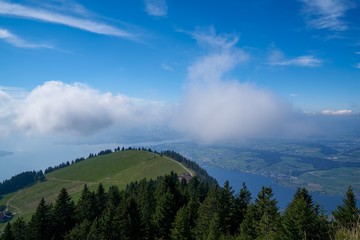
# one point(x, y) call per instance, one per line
point(255, 182)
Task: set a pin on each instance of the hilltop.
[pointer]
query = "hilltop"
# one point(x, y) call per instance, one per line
point(118, 168)
point(141, 197)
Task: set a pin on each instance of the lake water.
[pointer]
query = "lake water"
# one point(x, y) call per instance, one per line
point(255, 182)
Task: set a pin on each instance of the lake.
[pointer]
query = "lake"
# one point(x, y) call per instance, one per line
point(255, 182)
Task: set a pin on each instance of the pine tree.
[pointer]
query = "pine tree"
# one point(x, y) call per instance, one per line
point(227, 212)
point(268, 217)
point(215, 230)
point(248, 225)
point(146, 203)
point(86, 207)
point(100, 197)
point(164, 214)
point(110, 218)
point(64, 214)
point(8, 233)
point(19, 229)
point(182, 225)
point(113, 197)
point(95, 232)
point(109, 223)
point(242, 201)
point(207, 211)
point(302, 219)
point(347, 214)
point(130, 222)
point(80, 231)
point(41, 225)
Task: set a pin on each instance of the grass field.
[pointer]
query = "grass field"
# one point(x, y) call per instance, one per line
point(118, 168)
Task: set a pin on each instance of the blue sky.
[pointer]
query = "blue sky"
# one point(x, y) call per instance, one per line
point(85, 67)
point(307, 51)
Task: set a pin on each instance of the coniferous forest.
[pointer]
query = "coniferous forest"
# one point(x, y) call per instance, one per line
point(171, 208)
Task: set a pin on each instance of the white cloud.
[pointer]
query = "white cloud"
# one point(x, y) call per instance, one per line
point(209, 38)
point(229, 110)
point(56, 107)
point(6, 113)
point(357, 65)
point(17, 10)
point(276, 57)
point(211, 67)
point(16, 41)
point(166, 66)
point(66, 7)
point(157, 8)
point(218, 109)
point(326, 14)
point(222, 57)
point(337, 112)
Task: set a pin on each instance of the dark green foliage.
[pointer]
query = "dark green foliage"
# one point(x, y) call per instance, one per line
point(197, 189)
point(100, 198)
point(215, 228)
point(347, 215)
point(113, 197)
point(41, 225)
point(130, 221)
point(64, 214)
point(168, 209)
point(208, 210)
point(109, 223)
point(200, 173)
point(164, 213)
point(302, 219)
point(8, 233)
point(86, 207)
point(95, 232)
point(20, 181)
point(19, 229)
point(184, 222)
point(80, 231)
point(146, 203)
point(262, 219)
point(242, 202)
point(169, 200)
point(248, 225)
point(227, 211)
point(268, 217)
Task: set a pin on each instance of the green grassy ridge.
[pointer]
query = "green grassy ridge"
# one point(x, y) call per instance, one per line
point(119, 168)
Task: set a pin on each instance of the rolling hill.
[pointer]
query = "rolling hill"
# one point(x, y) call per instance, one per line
point(119, 168)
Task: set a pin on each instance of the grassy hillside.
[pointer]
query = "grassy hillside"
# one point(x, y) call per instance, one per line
point(117, 168)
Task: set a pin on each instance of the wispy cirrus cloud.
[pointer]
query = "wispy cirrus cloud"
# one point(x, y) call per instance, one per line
point(357, 65)
point(211, 39)
point(167, 66)
point(16, 41)
point(326, 14)
point(277, 58)
point(41, 14)
point(337, 112)
point(157, 8)
point(223, 55)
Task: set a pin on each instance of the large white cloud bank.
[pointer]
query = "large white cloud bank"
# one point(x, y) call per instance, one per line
point(57, 107)
point(214, 106)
